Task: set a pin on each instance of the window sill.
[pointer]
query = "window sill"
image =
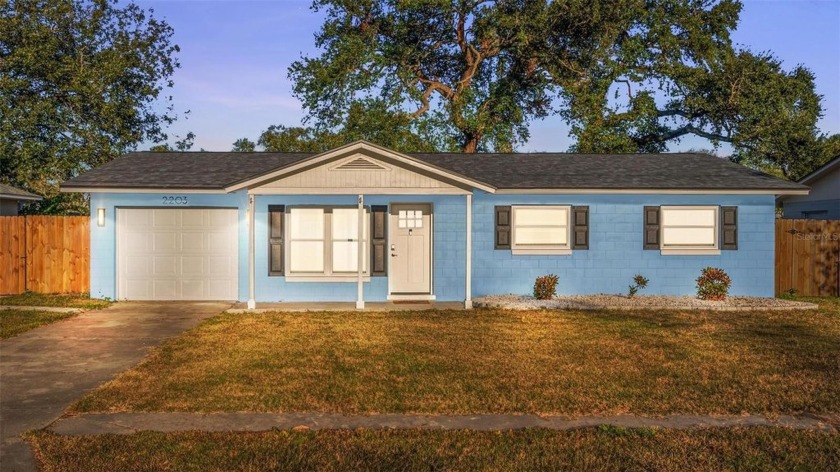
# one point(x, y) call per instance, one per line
point(690, 252)
point(541, 252)
point(326, 278)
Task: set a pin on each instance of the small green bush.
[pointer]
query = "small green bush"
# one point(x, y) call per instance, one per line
point(545, 287)
point(713, 284)
point(639, 282)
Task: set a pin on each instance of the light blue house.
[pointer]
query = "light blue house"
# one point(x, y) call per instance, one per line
point(823, 202)
point(364, 223)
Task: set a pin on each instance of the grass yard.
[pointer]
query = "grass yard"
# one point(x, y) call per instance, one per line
point(492, 361)
point(73, 300)
point(14, 322)
point(602, 449)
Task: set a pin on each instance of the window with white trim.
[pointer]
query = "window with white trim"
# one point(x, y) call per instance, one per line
point(689, 230)
point(324, 242)
point(541, 229)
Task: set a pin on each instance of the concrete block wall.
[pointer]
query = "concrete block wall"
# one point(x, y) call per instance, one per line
point(615, 251)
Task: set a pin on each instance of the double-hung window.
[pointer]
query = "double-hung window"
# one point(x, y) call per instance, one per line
point(324, 243)
point(541, 229)
point(689, 230)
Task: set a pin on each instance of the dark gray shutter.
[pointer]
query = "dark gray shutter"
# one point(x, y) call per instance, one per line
point(729, 228)
point(275, 239)
point(378, 240)
point(580, 227)
point(502, 236)
point(651, 240)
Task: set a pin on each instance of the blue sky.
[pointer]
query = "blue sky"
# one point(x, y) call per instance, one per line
point(235, 53)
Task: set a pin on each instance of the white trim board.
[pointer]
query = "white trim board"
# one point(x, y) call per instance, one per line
point(360, 146)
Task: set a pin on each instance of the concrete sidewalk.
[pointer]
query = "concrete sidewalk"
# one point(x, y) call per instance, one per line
point(44, 370)
point(127, 423)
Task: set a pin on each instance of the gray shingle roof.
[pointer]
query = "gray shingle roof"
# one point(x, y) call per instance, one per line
point(217, 170)
point(7, 191)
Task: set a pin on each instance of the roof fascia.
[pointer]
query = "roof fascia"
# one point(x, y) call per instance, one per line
point(139, 190)
point(631, 191)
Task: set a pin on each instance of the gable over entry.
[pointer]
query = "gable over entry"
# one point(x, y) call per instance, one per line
point(333, 234)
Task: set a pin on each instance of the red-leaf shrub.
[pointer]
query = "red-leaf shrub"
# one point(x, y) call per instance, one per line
point(545, 287)
point(713, 284)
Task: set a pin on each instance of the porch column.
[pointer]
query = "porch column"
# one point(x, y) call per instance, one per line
point(360, 250)
point(468, 289)
point(252, 302)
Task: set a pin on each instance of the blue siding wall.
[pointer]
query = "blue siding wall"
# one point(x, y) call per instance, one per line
point(103, 241)
point(449, 251)
point(615, 252)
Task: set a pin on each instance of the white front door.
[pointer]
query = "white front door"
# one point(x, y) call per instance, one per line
point(177, 254)
point(410, 245)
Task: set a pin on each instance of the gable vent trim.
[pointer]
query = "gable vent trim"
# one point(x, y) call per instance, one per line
point(360, 163)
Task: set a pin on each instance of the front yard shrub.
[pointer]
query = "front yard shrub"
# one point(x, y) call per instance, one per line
point(713, 284)
point(639, 282)
point(545, 287)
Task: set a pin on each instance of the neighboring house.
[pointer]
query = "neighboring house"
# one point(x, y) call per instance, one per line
point(823, 203)
point(11, 199)
point(286, 226)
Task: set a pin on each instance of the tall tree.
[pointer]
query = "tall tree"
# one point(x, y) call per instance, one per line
point(244, 145)
point(369, 120)
point(628, 75)
point(81, 81)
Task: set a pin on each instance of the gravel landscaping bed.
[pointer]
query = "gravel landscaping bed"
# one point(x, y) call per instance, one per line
point(639, 302)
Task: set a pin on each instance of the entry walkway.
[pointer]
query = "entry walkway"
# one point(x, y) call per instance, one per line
point(127, 423)
point(346, 306)
point(44, 370)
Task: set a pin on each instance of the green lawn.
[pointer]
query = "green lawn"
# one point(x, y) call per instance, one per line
point(14, 322)
point(492, 361)
point(72, 300)
point(601, 449)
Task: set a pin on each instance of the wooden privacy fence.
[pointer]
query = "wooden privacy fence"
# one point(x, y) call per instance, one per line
point(808, 257)
point(46, 254)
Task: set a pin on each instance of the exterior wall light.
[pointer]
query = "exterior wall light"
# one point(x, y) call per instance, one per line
point(100, 217)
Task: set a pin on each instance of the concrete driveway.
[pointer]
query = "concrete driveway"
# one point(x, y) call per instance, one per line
point(44, 370)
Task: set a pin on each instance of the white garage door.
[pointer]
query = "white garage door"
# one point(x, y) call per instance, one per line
point(177, 254)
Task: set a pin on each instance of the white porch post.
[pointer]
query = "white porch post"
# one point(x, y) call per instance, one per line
point(252, 303)
point(468, 289)
point(360, 250)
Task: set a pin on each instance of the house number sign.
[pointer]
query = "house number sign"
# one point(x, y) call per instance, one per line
point(170, 200)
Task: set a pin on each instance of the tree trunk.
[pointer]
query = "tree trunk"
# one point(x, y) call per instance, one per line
point(470, 143)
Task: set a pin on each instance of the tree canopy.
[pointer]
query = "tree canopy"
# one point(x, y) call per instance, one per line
point(628, 75)
point(81, 81)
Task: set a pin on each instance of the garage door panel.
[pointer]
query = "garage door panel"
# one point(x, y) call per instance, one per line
point(223, 267)
point(197, 219)
point(165, 266)
point(138, 289)
point(193, 289)
point(166, 289)
point(185, 255)
point(193, 243)
point(138, 266)
point(193, 266)
point(165, 242)
point(166, 218)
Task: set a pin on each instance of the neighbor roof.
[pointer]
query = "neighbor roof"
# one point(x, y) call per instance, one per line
point(14, 193)
point(556, 171)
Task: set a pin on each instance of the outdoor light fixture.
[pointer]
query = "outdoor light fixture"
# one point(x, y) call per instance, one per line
point(100, 217)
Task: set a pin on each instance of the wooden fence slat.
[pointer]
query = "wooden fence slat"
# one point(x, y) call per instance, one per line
point(11, 255)
point(808, 261)
point(47, 254)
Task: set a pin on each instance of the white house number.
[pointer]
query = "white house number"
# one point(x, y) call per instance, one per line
point(175, 200)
